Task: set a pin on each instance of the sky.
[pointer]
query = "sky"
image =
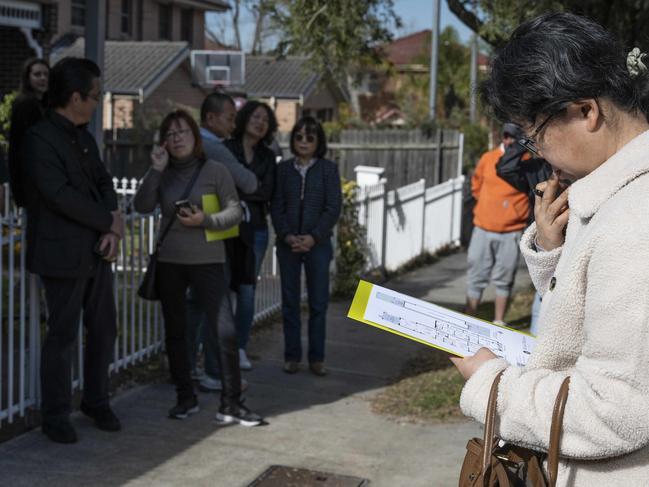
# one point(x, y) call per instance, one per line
point(415, 15)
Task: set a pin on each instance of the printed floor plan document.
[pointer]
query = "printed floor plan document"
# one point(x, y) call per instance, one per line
point(436, 326)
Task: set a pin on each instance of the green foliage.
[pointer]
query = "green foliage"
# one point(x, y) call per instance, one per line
point(453, 81)
point(476, 141)
point(336, 35)
point(5, 116)
point(351, 250)
point(496, 19)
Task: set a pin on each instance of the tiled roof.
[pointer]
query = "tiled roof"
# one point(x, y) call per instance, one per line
point(287, 77)
point(406, 50)
point(131, 68)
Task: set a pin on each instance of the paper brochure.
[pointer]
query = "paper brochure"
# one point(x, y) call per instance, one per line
point(436, 326)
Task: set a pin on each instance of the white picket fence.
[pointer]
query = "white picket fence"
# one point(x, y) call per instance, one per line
point(401, 224)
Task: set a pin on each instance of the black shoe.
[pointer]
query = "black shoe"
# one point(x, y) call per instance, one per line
point(104, 417)
point(291, 367)
point(184, 408)
point(318, 368)
point(60, 431)
point(238, 413)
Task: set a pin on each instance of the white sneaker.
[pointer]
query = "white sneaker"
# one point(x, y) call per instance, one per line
point(244, 363)
point(208, 384)
point(500, 323)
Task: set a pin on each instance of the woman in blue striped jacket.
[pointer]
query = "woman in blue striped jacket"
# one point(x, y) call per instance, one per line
point(305, 207)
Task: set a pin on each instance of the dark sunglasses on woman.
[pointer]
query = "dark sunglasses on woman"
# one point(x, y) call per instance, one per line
point(309, 138)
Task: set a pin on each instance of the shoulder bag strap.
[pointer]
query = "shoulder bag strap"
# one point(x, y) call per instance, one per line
point(184, 196)
point(555, 431)
point(489, 425)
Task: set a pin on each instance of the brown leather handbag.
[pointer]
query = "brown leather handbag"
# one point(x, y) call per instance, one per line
point(488, 465)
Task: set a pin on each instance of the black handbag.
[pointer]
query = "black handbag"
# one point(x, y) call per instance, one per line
point(148, 289)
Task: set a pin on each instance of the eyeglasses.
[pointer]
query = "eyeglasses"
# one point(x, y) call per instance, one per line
point(178, 134)
point(529, 142)
point(95, 96)
point(309, 138)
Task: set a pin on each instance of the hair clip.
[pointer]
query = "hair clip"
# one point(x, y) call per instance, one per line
point(634, 63)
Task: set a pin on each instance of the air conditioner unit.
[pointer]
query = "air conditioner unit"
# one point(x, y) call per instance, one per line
point(218, 68)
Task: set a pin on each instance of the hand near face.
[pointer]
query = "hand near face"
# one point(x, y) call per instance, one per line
point(551, 213)
point(159, 157)
point(193, 218)
point(469, 365)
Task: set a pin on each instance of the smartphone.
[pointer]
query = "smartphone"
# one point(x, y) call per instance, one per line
point(183, 204)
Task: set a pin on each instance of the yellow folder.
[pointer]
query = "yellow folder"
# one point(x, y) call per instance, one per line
point(211, 205)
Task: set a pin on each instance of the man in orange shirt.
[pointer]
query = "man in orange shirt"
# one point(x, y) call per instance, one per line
point(499, 218)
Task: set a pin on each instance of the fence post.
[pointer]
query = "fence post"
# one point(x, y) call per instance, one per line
point(438, 157)
point(423, 215)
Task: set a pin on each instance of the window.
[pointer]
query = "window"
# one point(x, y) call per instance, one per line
point(126, 16)
point(187, 26)
point(164, 25)
point(78, 13)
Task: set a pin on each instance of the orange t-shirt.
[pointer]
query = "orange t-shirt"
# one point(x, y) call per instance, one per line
point(500, 207)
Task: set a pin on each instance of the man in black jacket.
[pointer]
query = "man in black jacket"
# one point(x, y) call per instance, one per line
point(73, 232)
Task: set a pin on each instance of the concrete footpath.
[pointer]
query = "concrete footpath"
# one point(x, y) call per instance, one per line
point(324, 424)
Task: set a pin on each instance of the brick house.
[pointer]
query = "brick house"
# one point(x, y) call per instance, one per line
point(405, 58)
point(39, 27)
point(291, 89)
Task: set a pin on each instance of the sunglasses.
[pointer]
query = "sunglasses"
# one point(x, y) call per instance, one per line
point(308, 138)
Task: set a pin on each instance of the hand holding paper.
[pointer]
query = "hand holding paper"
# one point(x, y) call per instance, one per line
point(438, 327)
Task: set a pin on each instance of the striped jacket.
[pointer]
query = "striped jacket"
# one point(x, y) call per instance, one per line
point(317, 211)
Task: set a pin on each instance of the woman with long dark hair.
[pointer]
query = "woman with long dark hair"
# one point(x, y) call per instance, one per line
point(255, 126)
point(582, 100)
point(305, 209)
point(27, 109)
point(188, 257)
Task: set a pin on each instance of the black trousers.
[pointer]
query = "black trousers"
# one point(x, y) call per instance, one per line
point(65, 300)
point(210, 287)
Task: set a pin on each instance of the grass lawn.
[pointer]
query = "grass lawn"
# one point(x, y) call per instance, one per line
point(429, 387)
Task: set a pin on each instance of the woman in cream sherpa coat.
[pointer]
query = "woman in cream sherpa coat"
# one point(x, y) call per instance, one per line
point(583, 104)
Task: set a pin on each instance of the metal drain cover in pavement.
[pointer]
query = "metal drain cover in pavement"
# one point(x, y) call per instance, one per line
point(280, 476)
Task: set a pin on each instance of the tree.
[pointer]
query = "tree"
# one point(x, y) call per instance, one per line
point(338, 36)
point(494, 20)
point(452, 77)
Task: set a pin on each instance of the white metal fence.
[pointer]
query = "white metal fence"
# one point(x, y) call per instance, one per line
point(404, 223)
point(401, 224)
point(139, 322)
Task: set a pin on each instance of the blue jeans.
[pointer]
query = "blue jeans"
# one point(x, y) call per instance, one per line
point(246, 294)
point(316, 267)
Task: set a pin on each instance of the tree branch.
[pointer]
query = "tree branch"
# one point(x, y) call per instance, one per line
point(463, 11)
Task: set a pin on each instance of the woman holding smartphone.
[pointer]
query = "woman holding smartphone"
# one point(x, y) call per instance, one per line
point(583, 101)
point(305, 209)
point(186, 257)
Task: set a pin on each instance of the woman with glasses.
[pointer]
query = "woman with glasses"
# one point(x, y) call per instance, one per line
point(305, 209)
point(188, 257)
point(255, 126)
point(583, 100)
